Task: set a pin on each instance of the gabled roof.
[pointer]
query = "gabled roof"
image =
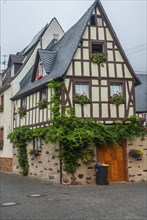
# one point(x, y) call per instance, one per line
point(141, 94)
point(66, 47)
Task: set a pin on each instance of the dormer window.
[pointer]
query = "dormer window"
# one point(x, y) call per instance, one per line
point(40, 71)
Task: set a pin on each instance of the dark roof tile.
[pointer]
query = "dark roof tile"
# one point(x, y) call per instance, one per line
point(141, 94)
point(47, 58)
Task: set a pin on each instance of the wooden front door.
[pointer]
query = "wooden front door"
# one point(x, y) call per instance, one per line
point(114, 157)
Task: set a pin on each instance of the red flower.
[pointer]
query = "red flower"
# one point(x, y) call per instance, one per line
point(39, 77)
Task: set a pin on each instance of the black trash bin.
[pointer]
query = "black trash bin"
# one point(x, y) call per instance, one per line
point(101, 174)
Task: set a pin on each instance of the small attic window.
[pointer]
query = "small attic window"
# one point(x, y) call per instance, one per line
point(92, 20)
point(97, 48)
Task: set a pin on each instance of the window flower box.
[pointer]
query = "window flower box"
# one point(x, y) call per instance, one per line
point(42, 104)
point(81, 99)
point(22, 112)
point(135, 153)
point(99, 58)
point(117, 99)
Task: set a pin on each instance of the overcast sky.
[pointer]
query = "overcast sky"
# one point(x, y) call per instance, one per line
point(22, 19)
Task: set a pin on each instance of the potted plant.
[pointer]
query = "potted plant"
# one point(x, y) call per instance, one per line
point(1, 108)
point(22, 112)
point(117, 99)
point(1, 144)
point(87, 158)
point(81, 99)
point(99, 58)
point(42, 104)
point(135, 153)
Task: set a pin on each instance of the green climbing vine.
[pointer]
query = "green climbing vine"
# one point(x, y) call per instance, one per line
point(76, 136)
point(19, 137)
point(55, 99)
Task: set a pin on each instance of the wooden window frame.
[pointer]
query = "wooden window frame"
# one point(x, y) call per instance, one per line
point(111, 83)
point(103, 43)
point(93, 16)
point(82, 82)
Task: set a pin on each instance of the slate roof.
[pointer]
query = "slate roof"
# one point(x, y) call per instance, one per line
point(15, 59)
point(65, 49)
point(6, 76)
point(47, 58)
point(141, 94)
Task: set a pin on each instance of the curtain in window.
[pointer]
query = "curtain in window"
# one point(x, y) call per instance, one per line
point(82, 89)
point(115, 89)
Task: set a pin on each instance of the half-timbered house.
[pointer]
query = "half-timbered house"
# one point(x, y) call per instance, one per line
point(90, 61)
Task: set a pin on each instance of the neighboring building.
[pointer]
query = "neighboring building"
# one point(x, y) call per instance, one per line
point(18, 66)
point(141, 98)
point(70, 60)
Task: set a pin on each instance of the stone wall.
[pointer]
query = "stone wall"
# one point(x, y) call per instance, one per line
point(45, 166)
point(85, 174)
point(137, 168)
point(6, 164)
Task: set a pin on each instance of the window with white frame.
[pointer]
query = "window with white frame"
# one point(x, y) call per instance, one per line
point(82, 89)
point(37, 144)
point(116, 88)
